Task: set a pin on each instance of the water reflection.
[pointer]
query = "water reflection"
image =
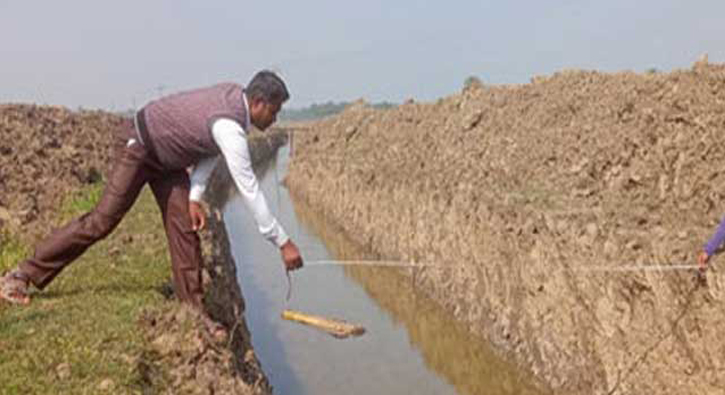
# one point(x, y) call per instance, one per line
point(411, 346)
point(302, 360)
point(448, 348)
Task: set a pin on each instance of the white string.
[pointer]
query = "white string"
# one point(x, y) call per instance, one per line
point(583, 269)
point(370, 263)
point(647, 268)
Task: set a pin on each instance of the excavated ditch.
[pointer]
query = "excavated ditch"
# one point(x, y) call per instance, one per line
point(521, 189)
point(410, 344)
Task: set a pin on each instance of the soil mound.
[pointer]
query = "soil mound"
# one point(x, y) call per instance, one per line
point(46, 152)
point(196, 362)
point(520, 189)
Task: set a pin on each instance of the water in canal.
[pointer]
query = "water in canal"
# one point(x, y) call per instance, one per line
point(411, 345)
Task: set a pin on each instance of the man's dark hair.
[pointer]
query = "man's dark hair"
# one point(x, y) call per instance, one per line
point(268, 87)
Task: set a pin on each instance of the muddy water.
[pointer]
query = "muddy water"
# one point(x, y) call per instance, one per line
point(411, 346)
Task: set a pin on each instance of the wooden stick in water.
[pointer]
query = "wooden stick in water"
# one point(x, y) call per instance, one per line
point(337, 328)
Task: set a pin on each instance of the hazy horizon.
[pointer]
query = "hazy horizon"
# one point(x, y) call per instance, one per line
point(116, 56)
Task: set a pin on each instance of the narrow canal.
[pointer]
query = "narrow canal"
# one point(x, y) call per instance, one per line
point(411, 345)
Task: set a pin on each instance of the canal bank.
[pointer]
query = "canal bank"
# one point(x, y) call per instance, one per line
point(523, 191)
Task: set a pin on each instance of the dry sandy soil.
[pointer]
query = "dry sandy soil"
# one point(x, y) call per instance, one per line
point(522, 189)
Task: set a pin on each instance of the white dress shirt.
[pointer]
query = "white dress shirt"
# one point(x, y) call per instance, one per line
point(231, 139)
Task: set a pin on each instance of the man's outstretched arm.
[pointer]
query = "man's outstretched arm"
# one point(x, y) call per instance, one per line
point(232, 141)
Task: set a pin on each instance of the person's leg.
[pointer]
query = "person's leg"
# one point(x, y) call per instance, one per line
point(172, 195)
point(61, 247)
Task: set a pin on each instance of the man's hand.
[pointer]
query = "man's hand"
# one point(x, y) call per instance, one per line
point(198, 216)
point(291, 256)
point(702, 261)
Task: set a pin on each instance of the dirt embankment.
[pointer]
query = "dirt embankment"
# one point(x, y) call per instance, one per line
point(48, 152)
point(520, 189)
point(45, 153)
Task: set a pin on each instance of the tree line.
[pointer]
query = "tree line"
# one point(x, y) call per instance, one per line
point(322, 110)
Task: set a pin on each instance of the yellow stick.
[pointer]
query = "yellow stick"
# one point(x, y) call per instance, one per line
point(337, 328)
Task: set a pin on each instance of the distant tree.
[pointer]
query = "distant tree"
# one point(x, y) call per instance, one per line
point(384, 105)
point(318, 111)
point(472, 82)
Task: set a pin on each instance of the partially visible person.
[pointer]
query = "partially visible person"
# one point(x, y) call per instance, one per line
point(711, 247)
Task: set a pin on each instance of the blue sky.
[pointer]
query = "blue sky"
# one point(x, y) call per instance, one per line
point(114, 55)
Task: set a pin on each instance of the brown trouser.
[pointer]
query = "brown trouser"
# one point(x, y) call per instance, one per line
point(133, 166)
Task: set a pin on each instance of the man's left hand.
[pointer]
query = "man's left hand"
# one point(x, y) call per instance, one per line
point(198, 216)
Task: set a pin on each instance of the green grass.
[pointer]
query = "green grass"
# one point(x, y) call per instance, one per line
point(80, 201)
point(83, 329)
point(11, 250)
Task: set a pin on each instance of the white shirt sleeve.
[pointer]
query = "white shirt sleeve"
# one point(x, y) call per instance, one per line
point(200, 177)
point(231, 139)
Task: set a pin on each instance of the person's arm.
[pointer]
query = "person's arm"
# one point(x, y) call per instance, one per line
point(231, 139)
point(716, 240)
point(712, 245)
point(200, 176)
point(198, 179)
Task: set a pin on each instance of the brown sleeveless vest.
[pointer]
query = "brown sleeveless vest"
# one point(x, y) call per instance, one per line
point(179, 126)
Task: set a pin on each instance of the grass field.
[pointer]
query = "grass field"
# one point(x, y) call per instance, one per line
point(81, 335)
